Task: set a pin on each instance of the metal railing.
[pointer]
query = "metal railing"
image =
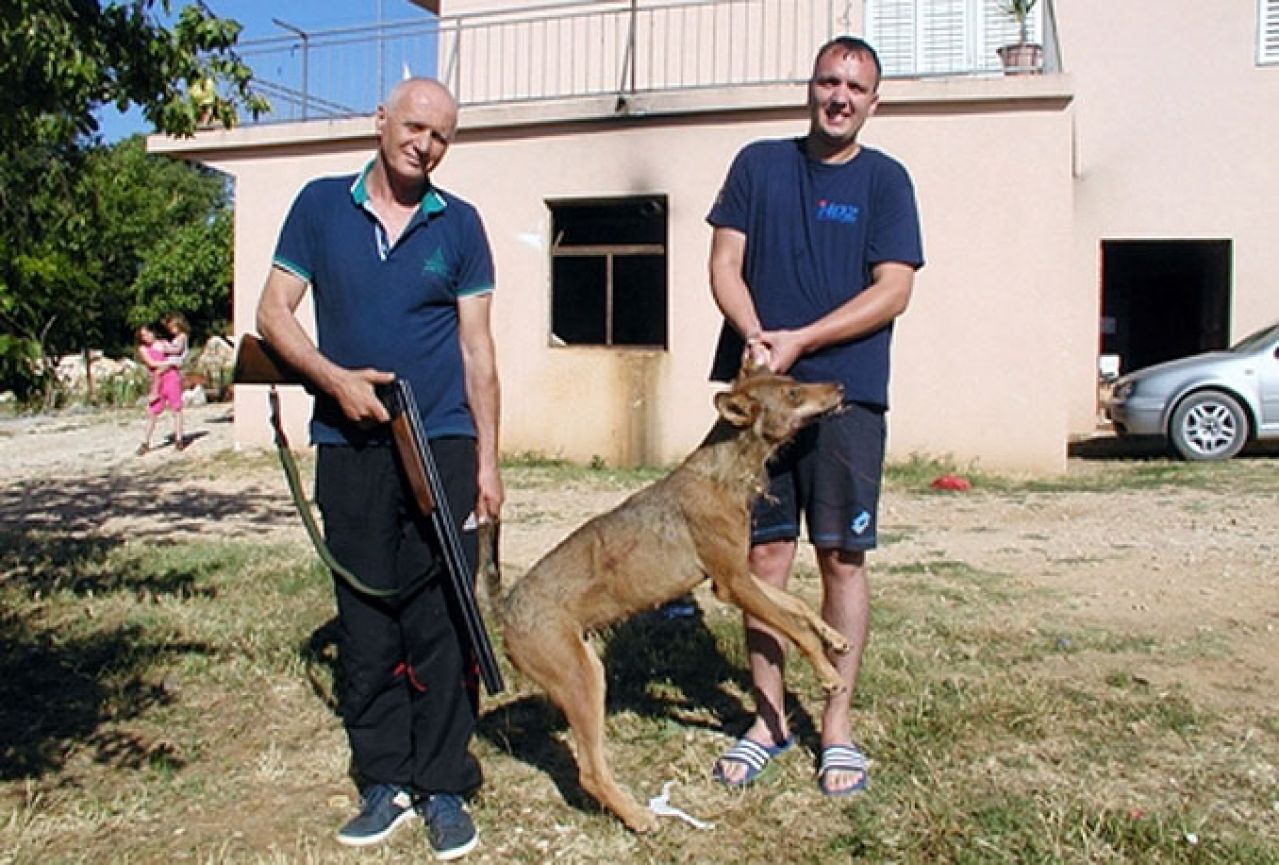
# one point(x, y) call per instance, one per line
point(578, 48)
point(337, 73)
point(621, 48)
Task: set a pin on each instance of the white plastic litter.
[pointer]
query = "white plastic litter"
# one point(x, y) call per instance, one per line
point(662, 807)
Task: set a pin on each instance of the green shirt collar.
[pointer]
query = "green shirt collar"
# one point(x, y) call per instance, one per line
point(432, 202)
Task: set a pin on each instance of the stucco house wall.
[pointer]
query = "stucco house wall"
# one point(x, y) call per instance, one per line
point(960, 364)
point(1174, 129)
point(1159, 130)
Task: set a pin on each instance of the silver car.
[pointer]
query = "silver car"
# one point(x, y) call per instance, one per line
point(1208, 405)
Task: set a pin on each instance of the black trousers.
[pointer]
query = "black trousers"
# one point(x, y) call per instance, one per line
point(410, 692)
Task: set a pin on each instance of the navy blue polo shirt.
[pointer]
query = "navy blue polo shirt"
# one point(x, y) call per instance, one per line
point(385, 307)
point(813, 234)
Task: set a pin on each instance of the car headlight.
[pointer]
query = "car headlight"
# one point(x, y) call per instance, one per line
point(1123, 390)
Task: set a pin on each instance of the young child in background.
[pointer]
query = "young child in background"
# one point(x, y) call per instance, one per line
point(178, 344)
point(166, 386)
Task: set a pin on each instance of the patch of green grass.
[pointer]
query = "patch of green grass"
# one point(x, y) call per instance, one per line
point(224, 462)
point(538, 471)
point(145, 686)
point(917, 472)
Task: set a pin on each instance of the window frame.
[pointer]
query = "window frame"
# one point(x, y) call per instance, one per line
point(610, 253)
point(1267, 32)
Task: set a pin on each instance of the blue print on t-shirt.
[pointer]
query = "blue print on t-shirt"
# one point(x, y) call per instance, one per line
point(831, 211)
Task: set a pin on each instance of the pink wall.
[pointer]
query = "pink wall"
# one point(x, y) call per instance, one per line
point(976, 358)
point(1162, 128)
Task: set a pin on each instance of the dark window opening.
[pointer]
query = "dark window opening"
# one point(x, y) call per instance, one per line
point(1163, 299)
point(608, 273)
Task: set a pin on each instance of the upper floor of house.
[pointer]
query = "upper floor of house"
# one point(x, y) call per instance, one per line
point(492, 53)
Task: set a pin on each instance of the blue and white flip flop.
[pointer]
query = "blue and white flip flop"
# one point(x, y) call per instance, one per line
point(842, 758)
point(751, 754)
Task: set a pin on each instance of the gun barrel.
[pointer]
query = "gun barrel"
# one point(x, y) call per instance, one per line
point(404, 406)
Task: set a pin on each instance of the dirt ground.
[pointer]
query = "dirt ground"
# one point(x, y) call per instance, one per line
point(1193, 567)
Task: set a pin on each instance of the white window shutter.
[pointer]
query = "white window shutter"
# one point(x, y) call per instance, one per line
point(1267, 31)
point(938, 37)
point(945, 36)
point(891, 29)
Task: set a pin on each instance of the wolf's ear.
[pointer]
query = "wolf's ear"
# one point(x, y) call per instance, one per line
point(736, 408)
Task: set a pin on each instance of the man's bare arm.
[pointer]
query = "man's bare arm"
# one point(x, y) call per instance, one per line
point(483, 394)
point(278, 325)
point(732, 296)
point(880, 303)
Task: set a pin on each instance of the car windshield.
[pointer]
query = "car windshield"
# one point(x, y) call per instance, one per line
point(1248, 343)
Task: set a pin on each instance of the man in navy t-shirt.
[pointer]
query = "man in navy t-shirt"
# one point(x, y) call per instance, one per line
point(402, 278)
point(816, 243)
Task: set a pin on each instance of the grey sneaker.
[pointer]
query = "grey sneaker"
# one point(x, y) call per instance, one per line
point(449, 827)
point(382, 809)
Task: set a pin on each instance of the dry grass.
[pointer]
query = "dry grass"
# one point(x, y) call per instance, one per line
point(173, 702)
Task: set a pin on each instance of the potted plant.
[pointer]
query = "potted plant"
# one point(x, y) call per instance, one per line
point(1022, 57)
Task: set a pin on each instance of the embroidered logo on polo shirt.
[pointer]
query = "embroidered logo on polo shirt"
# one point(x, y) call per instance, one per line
point(831, 211)
point(436, 264)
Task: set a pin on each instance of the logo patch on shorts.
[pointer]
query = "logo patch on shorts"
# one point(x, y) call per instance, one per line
point(860, 523)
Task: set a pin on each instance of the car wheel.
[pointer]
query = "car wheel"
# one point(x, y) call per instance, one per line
point(1209, 425)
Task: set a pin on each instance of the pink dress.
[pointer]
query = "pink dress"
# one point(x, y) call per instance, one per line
point(166, 384)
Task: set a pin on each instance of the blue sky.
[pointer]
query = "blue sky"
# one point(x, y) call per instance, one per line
point(256, 17)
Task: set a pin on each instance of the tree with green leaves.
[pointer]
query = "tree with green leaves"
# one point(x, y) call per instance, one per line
point(74, 227)
point(61, 60)
point(188, 271)
point(150, 213)
point(120, 237)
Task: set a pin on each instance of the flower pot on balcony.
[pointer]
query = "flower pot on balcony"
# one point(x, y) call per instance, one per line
point(1022, 58)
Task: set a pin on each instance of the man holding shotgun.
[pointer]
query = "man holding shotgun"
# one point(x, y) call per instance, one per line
point(402, 279)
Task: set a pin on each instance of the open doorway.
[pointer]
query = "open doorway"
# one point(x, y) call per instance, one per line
point(1163, 299)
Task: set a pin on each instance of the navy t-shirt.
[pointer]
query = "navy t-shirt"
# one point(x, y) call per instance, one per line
point(391, 308)
point(813, 234)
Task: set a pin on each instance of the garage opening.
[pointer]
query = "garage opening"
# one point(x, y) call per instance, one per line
point(1163, 299)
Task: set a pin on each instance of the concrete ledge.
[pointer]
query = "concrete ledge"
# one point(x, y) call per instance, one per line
point(899, 96)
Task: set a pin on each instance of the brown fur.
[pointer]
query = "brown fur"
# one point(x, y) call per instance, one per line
point(656, 546)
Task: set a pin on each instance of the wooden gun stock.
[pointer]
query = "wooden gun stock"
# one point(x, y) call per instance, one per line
point(406, 443)
point(257, 363)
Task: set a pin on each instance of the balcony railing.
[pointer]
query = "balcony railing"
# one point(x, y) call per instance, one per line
point(625, 48)
point(580, 49)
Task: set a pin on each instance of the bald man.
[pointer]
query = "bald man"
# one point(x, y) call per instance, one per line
point(402, 279)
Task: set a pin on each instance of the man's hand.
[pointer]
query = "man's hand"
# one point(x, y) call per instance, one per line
point(778, 348)
point(491, 495)
point(353, 390)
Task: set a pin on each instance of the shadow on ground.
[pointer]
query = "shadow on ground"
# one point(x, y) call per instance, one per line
point(81, 506)
point(65, 689)
point(1111, 447)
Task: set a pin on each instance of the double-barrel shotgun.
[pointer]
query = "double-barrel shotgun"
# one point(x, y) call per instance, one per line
point(257, 363)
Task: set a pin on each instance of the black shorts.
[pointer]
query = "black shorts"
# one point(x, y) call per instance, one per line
point(830, 473)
